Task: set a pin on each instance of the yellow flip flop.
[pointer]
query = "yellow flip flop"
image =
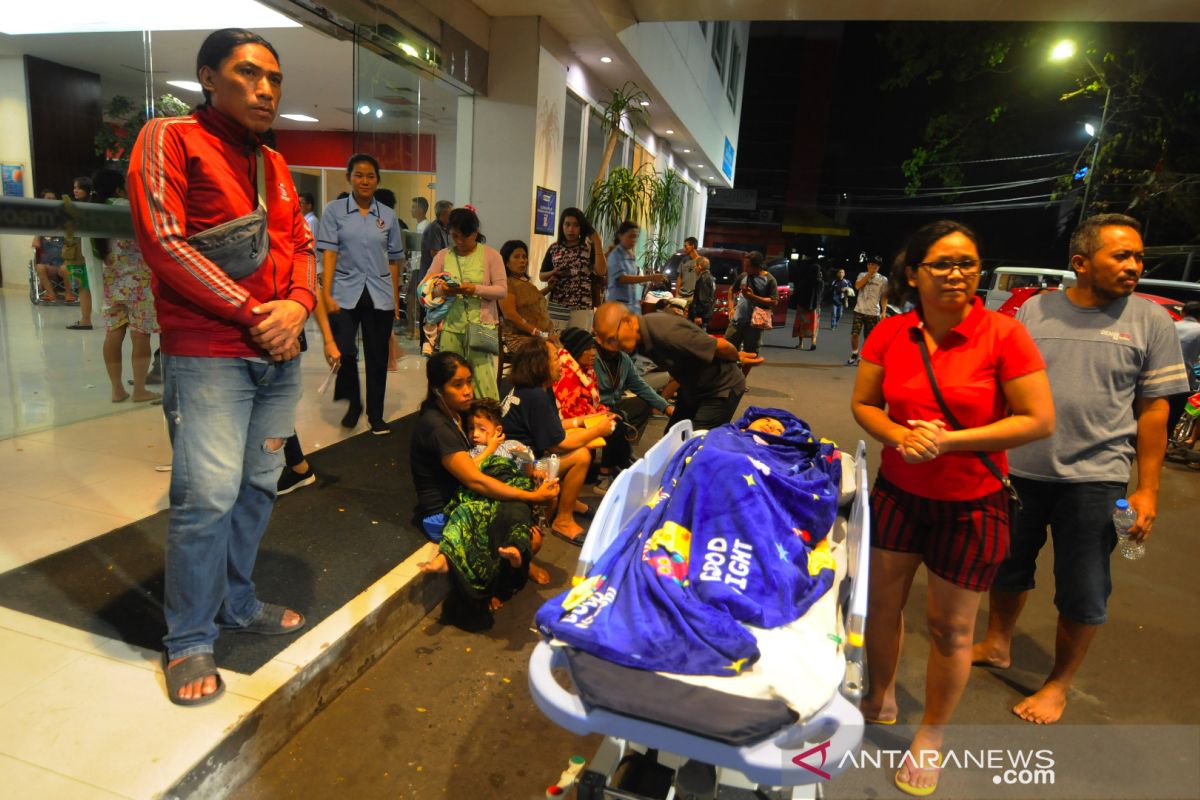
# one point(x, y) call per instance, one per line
point(874, 721)
point(918, 791)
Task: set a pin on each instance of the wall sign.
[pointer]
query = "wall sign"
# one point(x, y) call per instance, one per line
point(544, 213)
point(13, 178)
point(727, 161)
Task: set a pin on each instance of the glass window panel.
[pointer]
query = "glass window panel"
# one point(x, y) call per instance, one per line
point(572, 132)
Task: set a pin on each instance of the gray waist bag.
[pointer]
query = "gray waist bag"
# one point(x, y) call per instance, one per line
point(239, 246)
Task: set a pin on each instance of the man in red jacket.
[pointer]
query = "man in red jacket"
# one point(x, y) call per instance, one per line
point(230, 347)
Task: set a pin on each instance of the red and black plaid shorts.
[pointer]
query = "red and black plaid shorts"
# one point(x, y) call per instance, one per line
point(962, 541)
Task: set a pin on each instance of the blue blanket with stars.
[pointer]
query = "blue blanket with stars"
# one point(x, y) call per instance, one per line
point(735, 535)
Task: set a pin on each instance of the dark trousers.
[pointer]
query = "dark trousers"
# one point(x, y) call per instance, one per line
point(706, 413)
point(618, 450)
point(293, 453)
point(376, 329)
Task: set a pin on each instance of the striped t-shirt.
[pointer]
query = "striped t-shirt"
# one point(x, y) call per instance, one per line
point(1099, 360)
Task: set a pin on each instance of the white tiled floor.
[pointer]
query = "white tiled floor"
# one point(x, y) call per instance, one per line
point(82, 716)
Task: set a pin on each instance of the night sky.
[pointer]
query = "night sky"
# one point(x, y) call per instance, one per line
point(816, 125)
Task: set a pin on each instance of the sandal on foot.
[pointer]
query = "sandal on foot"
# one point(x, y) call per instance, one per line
point(879, 721)
point(269, 622)
point(918, 791)
point(79, 326)
point(577, 541)
point(191, 669)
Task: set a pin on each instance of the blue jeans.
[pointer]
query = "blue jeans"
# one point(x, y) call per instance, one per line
point(222, 416)
point(837, 314)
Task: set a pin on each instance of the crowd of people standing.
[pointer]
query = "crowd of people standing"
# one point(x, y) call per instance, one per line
point(531, 394)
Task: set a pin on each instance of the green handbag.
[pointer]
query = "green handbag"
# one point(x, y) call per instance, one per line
point(483, 338)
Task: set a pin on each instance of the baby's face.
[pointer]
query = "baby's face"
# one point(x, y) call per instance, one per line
point(766, 425)
point(482, 429)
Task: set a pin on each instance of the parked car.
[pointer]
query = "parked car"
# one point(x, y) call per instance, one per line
point(1183, 291)
point(1021, 294)
point(726, 265)
point(1005, 280)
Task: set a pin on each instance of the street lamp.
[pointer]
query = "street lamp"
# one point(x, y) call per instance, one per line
point(1064, 51)
point(1089, 129)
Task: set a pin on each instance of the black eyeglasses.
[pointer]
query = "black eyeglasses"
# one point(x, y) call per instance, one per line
point(942, 268)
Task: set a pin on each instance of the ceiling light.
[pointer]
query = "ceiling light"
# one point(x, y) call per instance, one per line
point(685, 150)
point(645, 102)
point(410, 50)
point(364, 110)
point(605, 59)
point(379, 113)
point(190, 86)
point(300, 117)
point(669, 132)
point(699, 166)
point(88, 16)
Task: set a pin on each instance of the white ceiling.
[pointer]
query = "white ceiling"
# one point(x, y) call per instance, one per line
point(318, 75)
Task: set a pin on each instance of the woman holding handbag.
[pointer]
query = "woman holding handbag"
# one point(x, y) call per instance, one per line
point(754, 293)
point(476, 281)
point(947, 388)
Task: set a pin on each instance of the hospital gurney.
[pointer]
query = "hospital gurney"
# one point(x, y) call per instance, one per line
point(820, 739)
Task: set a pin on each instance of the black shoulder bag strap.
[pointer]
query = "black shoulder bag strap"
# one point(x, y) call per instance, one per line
point(953, 420)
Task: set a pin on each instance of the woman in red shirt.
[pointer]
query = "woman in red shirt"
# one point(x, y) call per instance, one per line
point(936, 501)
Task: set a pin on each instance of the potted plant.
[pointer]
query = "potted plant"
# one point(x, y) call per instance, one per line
point(123, 120)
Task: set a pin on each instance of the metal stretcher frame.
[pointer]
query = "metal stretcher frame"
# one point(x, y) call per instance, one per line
point(768, 763)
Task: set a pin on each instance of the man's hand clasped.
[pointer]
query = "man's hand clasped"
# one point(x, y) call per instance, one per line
point(279, 332)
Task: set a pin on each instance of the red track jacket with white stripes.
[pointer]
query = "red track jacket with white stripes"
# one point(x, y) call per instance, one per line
point(186, 175)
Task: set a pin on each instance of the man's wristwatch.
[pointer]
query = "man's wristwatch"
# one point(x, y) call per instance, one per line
point(541, 334)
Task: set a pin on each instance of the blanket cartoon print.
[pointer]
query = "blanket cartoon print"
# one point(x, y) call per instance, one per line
point(735, 534)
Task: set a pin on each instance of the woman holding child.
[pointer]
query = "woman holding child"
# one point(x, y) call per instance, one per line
point(475, 504)
point(531, 416)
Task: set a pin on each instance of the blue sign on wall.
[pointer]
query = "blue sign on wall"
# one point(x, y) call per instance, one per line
point(543, 217)
point(13, 178)
point(727, 162)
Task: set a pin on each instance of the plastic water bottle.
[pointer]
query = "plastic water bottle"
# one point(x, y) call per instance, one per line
point(1123, 519)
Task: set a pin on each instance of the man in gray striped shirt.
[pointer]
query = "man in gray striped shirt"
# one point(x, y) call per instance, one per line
point(1112, 359)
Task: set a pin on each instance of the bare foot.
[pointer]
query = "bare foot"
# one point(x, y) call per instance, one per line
point(495, 604)
point(538, 575)
point(1043, 707)
point(290, 618)
point(146, 397)
point(987, 654)
point(437, 564)
point(201, 687)
point(512, 555)
point(120, 396)
point(581, 508)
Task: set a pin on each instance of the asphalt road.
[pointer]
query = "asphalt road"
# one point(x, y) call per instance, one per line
point(447, 714)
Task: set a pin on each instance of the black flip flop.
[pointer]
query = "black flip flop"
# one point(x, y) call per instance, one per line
point(79, 327)
point(268, 622)
point(577, 541)
point(191, 669)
